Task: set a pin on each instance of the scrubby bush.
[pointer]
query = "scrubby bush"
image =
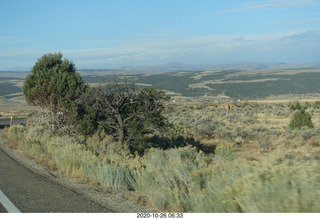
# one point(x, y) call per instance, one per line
point(124, 112)
point(206, 127)
point(98, 142)
point(53, 83)
point(245, 104)
point(264, 174)
point(316, 105)
point(296, 106)
point(225, 151)
point(15, 133)
point(308, 133)
point(182, 179)
point(300, 119)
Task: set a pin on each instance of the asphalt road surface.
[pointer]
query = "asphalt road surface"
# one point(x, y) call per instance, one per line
point(15, 121)
point(2, 209)
point(29, 187)
point(31, 192)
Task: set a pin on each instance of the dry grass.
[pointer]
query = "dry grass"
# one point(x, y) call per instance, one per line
point(272, 72)
point(16, 111)
point(259, 164)
point(285, 100)
point(203, 84)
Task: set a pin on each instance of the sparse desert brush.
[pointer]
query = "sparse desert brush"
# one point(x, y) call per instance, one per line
point(308, 133)
point(15, 133)
point(114, 176)
point(39, 118)
point(242, 175)
point(225, 151)
point(281, 112)
point(243, 186)
point(69, 157)
point(315, 141)
point(231, 132)
point(239, 122)
point(98, 142)
point(169, 177)
point(264, 144)
point(247, 120)
point(206, 127)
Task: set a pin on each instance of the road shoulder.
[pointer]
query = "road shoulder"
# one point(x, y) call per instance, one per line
point(110, 199)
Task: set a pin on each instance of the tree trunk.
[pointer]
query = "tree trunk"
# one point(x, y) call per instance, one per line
point(121, 128)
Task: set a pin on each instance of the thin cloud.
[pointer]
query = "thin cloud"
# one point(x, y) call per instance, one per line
point(294, 22)
point(271, 4)
point(200, 49)
point(15, 40)
point(298, 46)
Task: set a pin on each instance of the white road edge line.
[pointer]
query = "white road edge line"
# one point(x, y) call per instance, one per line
point(7, 204)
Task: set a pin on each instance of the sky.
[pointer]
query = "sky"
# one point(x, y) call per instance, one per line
point(106, 34)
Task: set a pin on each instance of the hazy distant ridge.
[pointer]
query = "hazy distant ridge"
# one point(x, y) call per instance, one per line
point(176, 66)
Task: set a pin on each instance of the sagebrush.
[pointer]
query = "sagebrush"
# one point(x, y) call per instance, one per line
point(259, 167)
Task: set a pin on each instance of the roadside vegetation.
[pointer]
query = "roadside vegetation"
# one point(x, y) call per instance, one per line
point(181, 157)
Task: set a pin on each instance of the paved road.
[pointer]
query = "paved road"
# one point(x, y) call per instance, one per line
point(32, 192)
point(2, 209)
point(6, 122)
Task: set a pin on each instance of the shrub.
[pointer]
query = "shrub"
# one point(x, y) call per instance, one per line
point(296, 106)
point(124, 112)
point(316, 105)
point(245, 104)
point(225, 151)
point(98, 142)
point(53, 83)
point(15, 133)
point(171, 177)
point(206, 126)
point(300, 119)
point(182, 179)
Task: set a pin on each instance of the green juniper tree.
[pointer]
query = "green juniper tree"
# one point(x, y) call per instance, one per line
point(54, 84)
point(124, 112)
point(300, 119)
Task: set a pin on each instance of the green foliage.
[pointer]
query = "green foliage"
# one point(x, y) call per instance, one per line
point(86, 116)
point(245, 104)
point(183, 179)
point(148, 118)
point(316, 105)
point(301, 83)
point(123, 112)
point(118, 108)
point(52, 82)
point(225, 151)
point(296, 106)
point(300, 119)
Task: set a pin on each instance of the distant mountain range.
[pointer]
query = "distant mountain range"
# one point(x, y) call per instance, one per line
point(176, 66)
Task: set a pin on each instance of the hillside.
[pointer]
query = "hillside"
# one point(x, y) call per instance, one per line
point(248, 84)
point(243, 84)
point(176, 66)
